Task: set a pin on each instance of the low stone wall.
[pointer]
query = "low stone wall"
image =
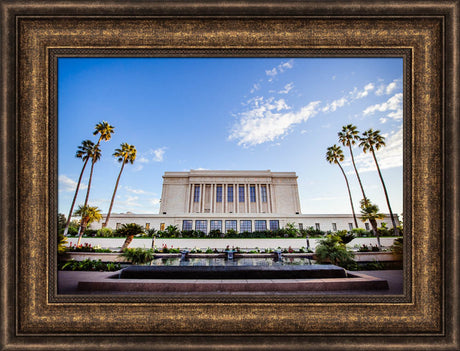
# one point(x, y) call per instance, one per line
point(221, 244)
point(115, 257)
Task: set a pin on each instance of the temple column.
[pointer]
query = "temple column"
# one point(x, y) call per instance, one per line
point(257, 190)
point(211, 205)
point(192, 197)
point(202, 198)
point(247, 198)
point(269, 199)
point(237, 200)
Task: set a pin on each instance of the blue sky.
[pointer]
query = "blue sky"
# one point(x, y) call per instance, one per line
point(229, 114)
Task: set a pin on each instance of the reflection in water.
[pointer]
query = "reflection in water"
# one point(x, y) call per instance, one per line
point(265, 261)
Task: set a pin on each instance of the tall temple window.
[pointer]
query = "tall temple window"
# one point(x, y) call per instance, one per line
point(216, 225)
point(274, 224)
point(367, 226)
point(219, 193)
point(230, 193)
point(260, 226)
point(317, 226)
point(263, 190)
point(230, 224)
point(252, 193)
point(187, 225)
point(350, 226)
point(201, 226)
point(245, 226)
point(241, 193)
point(196, 197)
point(334, 227)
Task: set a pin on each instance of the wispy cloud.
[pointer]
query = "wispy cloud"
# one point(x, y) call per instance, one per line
point(155, 155)
point(388, 89)
point(287, 88)
point(389, 156)
point(268, 120)
point(134, 191)
point(67, 184)
point(255, 87)
point(393, 104)
point(351, 96)
point(158, 154)
point(334, 105)
point(280, 68)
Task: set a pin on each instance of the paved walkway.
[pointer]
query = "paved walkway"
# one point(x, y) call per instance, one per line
point(68, 282)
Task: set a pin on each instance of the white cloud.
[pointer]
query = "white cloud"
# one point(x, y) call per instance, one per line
point(287, 88)
point(268, 120)
point(334, 105)
point(134, 191)
point(255, 87)
point(387, 89)
point(393, 104)
point(279, 69)
point(142, 159)
point(272, 72)
point(389, 156)
point(365, 91)
point(67, 184)
point(158, 156)
point(355, 94)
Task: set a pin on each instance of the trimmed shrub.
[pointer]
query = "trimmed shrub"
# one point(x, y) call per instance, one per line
point(104, 233)
point(138, 255)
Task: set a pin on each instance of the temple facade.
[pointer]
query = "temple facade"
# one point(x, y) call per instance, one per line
point(240, 200)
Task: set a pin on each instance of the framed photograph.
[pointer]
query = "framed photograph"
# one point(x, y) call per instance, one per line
point(38, 38)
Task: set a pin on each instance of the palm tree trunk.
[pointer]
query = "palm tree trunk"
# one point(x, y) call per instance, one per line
point(89, 183)
point(113, 196)
point(375, 230)
point(66, 230)
point(349, 194)
point(386, 195)
point(89, 187)
point(83, 226)
point(128, 241)
point(357, 174)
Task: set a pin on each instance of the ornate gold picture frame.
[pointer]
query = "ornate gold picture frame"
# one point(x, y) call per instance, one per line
point(36, 33)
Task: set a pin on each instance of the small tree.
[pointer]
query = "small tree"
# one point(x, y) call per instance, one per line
point(334, 251)
point(129, 230)
point(88, 215)
point(370, 212)
point(291, 230)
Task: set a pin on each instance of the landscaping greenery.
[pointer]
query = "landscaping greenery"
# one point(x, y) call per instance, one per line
point(89, 265)
point(129, 230)
point(88, 215)
point(333, 250)
point(138, 255)
point(86, 248)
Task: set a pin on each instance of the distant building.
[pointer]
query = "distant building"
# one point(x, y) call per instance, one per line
point(239, 200)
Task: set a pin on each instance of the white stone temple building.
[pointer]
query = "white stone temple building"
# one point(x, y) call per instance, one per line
point(239, 200)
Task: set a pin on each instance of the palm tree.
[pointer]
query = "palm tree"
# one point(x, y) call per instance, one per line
point(348, 137)
point(88, 215)
point(105, 130)
point(95, 154)
point(129, 230)
point(126, 154)
point(371, 213)
point(335, 155)
point(371, 141)
point(83, 152)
